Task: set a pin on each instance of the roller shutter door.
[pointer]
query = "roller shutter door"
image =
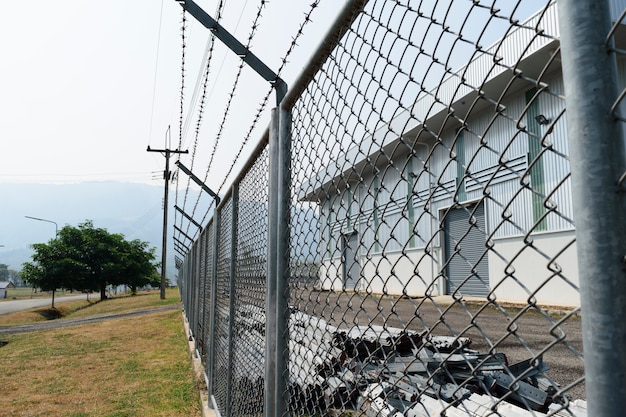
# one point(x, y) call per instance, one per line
point(467, 268)
point(351, 267)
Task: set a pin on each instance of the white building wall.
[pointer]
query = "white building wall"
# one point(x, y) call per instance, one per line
point(394, 247)
point(409, 273)
point(398, 273)
point(330, 275)
point(496, 160)
point(545, 272)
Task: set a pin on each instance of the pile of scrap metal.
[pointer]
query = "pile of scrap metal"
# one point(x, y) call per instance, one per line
point(393, 372)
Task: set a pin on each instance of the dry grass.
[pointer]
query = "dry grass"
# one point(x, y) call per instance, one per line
point(125, 367)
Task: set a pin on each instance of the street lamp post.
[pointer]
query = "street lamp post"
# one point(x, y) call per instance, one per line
point(56, 227)
point(56, 234)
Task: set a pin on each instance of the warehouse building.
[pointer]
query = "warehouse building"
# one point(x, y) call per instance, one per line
point(466, 193)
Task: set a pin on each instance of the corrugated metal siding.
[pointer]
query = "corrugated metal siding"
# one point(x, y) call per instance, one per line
point(467, 270)
point(496, 165)
point(617, 8)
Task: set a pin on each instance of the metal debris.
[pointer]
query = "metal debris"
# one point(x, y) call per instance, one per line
point(392, 372)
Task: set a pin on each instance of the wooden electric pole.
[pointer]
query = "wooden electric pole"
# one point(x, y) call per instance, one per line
point(166, 176)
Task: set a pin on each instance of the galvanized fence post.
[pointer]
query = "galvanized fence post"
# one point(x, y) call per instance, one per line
point(196, 258)
point(192, 288)
point(270, 405)
point(213, 277)
point(231, 297)
point(203, 278)
point(597, 161)
point(283, 256)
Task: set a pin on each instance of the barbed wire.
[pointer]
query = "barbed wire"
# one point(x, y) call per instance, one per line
point(182, 79)
point(265, 100)
point(205, 78)
point(231, 95)
point(182, 101)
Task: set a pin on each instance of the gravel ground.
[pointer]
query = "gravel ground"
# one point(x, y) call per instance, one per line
point(517, 333)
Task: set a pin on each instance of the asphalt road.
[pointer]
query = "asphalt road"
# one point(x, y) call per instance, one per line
point(20, 305)
point(57, 324)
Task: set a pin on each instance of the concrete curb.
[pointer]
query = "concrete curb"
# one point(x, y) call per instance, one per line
point(198, 374)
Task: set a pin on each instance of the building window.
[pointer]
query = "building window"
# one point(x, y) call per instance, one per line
point(349, 210)
point(535, 161)
point(376, 218)
point(329, 223)
point(410, 182)
point(459, 151)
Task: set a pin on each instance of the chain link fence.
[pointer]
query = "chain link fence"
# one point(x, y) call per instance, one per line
point(404, 240)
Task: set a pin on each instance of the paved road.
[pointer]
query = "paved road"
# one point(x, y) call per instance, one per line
point(19, 305)
point(57, 324)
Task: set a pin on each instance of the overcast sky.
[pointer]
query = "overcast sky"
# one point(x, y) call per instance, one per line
point(82, 96)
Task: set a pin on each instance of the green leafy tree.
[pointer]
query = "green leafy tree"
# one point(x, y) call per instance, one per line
point(53, 267)
point(100, 255)
point(112, 260)
point(86, 258)
point(137, 268)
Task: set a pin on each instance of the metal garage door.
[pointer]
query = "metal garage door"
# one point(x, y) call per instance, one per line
point(351, 267)
point(467, 267)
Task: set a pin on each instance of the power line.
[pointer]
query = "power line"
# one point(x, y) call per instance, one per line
point(156, 67)
point(166, 175)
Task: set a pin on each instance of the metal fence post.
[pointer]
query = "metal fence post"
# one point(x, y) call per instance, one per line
point(282, 249)
point(191, 316)
point(231, 297)
point(197, 274)
point(270, 405)
point(597, 161)
point(213, 277)
point(201, 319)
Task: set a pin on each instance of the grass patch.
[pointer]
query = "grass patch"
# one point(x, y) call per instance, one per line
point(127, 302)
point(136, 366)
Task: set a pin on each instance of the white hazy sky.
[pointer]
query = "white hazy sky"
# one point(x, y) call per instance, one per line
point(81, 95)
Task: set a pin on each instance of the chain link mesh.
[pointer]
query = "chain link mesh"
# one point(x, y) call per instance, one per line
point(439, 173)
point(251, 273)
point(223, 318)
point(433, 260)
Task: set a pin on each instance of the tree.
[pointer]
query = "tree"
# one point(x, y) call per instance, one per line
point(137, 269)
point(4, 272)
point(86, 258)
point(53, 267)
point(15, 278)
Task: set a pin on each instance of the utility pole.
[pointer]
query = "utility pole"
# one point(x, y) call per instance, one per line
point(166, 175)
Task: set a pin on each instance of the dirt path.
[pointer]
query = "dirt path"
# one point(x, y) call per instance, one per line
point(57, 324)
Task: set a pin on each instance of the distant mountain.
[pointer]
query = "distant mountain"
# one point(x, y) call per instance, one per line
point(134, 210)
